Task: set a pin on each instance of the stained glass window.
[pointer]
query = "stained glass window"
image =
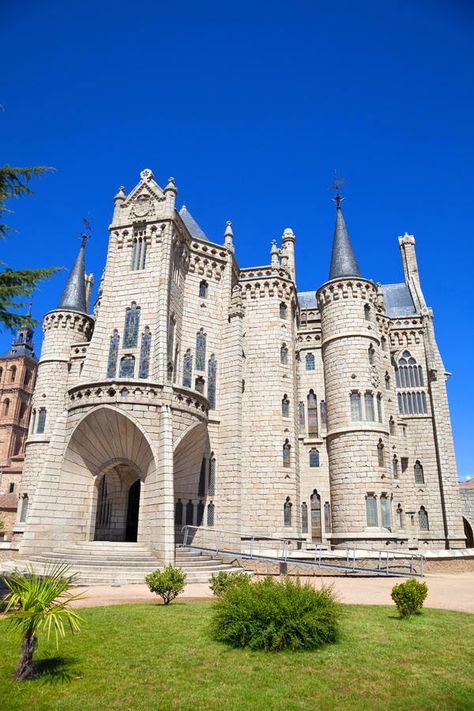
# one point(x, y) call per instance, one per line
point(41, 420)
point(212, 381)
point(200, 350)
point(145, 354)
point(188, 369)
point(113, 354)
point(369, 407)
point(212, 476)
point(132, 321)
point(309, 360)
point(371, 507)
point(356, 413)
point(127, 367)
point(423, 519)
point(304, 517)
point(312, 413)
point(287, 512)
point(210, 514)
point(139, 250)
point(314, 457)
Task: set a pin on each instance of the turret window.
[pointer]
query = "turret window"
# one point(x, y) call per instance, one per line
point(24, 508)
point(327, 517)
point(41, 420)
point(369, 407)
point(379, 408)
point(356, 410)
point(283, 310)
point(314, 457)
point(127, 367)
point(380, 454)
point(6, 406)
point(371, 354)
point(145, 354)
point(367, 312)
point(113, 354)
point(371, 510)
point(392, 426)
point(309, 360)
point(301, 414)
point(399, 516)
point(285, 406)
point(284, 354)
point(200, 350)
point(412, 403)
point(287, 512)
point(395, 467)
point(188, 369)
point(387, 381)
point(423, 519)
point(286, 453)
point(419, 474)
point(212, 381)
point(203, 287)
point(13, 373)
point(312, 413)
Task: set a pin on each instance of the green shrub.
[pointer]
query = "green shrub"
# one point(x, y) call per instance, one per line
point(409, 597)
point(275, 615)
point(167, 583)
point(221, 582)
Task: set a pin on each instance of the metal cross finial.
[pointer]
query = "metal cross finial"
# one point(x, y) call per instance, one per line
point(337, 182)
point(87, 230)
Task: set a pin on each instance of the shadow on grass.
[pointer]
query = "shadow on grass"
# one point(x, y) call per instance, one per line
point(54, 670)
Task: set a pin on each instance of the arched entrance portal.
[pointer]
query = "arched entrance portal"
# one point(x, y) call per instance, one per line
point(118, 505)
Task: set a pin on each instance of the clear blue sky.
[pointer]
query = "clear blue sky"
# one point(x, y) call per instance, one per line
point(251, 106)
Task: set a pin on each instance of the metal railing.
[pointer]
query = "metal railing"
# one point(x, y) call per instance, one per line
point(291, 552)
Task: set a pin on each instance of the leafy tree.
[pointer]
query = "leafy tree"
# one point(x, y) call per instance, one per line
point(17, 286)
point(36, 603)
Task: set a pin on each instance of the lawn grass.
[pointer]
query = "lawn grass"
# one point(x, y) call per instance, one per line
point(151, 657)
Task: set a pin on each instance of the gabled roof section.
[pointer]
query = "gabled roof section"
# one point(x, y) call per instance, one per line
point(147, 186)
point(398, 300)
point(307, 299)
point(191, 224)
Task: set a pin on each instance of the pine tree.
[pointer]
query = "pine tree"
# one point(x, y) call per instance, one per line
point(17, 286)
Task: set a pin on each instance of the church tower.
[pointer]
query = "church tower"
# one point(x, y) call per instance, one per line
point(351, 343)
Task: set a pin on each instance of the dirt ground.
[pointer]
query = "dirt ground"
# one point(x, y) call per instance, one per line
point(449, 592)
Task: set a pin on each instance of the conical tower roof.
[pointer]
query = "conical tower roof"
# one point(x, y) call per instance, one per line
point(343, 261)
point(74, 295)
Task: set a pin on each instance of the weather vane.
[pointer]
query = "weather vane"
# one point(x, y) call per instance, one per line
point(336, 184)
point(87, 230)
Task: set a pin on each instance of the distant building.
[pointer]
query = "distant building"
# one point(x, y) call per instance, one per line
point(17, 379)
point(203, 393)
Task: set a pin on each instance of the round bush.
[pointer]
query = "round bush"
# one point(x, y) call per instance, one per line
point(409, 597)
point(167, 583)
point(275, 615)
point(221, 582)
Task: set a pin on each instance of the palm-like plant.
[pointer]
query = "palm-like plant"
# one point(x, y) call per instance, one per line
point(40, 602)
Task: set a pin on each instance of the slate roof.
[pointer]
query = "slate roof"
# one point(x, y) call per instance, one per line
point(191, 224)
point(307, 299)
point(398, 301)
point(343, 261)
point(74, 294)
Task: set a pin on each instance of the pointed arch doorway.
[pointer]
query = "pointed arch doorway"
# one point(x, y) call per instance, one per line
point(118, 505)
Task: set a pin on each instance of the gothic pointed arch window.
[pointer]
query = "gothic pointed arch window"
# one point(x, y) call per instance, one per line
point(132, 321)
point(392, 426)
point(419, 474)
point(312, 405)
point(212, 381)
point(200, 513)
point(367, 312)
point(383, 343)
point(139, 249)
point(178, 513)
point(145, 349)
point(188, 369)
point(314, 457)
point(371, 510)
point(284, 354)
point(285, 406)
point(356, 410)
point(399, 516)
point(287, 512)
point(6, 406)
point(286, 453)
point(379, 408)
point(423, 521)
point(387, 381)
point(127, 366)
point(283, 310)
point(202, 478)
point(203, 287)
point(408, 375)
point(113, 354)
point(200, 350)
point(189, 513)
point(210, 514)
point(13, 370)
point(380, 454)
point(304, 517)
point(211, 486)
point(310, 362)
point(324, 414)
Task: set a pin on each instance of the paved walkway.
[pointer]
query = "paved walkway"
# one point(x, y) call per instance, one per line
point(449, 592)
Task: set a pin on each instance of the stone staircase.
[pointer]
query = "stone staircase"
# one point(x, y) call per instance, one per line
point(110, 563)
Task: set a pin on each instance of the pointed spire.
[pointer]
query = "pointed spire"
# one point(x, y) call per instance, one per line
point(74, 294)
point(229, 236)
point(343, 261)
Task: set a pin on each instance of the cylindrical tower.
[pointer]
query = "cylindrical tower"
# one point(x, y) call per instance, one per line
point(357, 438)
